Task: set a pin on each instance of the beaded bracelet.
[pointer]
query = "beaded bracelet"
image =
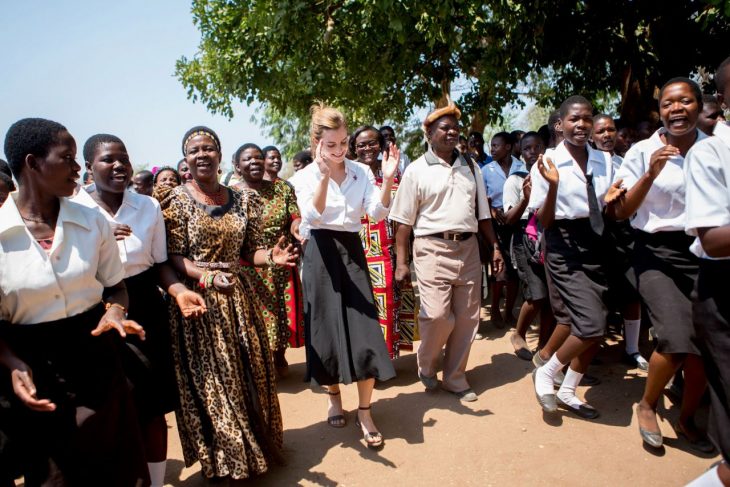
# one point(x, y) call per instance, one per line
point(201, 281)
point(270, 258)
point(209, 278)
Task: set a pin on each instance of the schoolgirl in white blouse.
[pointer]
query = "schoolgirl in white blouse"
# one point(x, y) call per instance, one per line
point(568, 185)
point(652, 180)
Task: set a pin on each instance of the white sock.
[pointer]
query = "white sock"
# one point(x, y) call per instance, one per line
point(707, 479)
point(544, 376)
point(157, 473)
point(566, 393)
point(631, 335)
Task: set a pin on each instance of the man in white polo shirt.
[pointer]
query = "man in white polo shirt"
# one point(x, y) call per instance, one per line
point(441, 197)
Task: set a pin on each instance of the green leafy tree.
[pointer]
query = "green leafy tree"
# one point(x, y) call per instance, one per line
point(382, 60)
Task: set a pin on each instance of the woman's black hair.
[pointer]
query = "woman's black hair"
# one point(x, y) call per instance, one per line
point(30, 136)
point(5, 178)
point(95, 141)
point(304, 156)
point(601, 116)
point(239, 151)
point(166, 168)
point(696, 91)
point(269, 148)
point(4, 168)
point(545, 133)
point(365, 128)
point(200, 128)
point(506, 136)
point(531, 134)
point(574, 100)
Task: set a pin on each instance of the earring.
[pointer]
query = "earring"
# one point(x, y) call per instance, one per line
point(220, 171)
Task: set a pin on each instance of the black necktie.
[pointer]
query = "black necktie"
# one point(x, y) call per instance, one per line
point(594, 211)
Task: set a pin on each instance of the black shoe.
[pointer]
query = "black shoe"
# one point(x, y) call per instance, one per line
point(524, 354)
point(584, 411)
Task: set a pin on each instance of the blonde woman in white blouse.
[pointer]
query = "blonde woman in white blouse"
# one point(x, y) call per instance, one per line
point(343, 339)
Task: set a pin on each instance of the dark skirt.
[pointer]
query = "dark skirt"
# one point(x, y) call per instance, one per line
point(622, 288)
point(666, 272)
point(92, 437)
point(711, 315)
point(504, 237)
point(534, 283)
point(148, 364)
point(343, 340)
point(576, 276)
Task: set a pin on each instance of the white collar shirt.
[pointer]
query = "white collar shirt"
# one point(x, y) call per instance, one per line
point(663, 208)
point(572, 197)
point(434, 196)
point(295, 180)
point(36, 286)
point(147, 245)
point(707, 170)
point(512, 193)
point(616, 160)
point(494, 179)
point(346, 203)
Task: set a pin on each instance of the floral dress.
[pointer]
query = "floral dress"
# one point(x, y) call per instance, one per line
point(396, 303)
point(278, 288)
point(229, 417)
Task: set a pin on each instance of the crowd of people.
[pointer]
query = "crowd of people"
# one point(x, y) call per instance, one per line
point(130, 296)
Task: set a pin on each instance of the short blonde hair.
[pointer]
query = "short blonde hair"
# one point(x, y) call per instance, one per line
point(324, 118)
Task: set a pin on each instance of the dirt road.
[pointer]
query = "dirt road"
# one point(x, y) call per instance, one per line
point(502, 439)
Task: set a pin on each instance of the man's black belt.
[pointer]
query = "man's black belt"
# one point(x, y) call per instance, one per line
point(453, 236)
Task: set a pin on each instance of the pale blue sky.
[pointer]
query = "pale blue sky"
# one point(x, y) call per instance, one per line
point(108, 67)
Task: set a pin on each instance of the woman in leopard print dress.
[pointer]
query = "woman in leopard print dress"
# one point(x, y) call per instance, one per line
point(229, 417)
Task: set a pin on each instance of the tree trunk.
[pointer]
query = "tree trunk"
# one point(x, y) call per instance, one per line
point(637, 99)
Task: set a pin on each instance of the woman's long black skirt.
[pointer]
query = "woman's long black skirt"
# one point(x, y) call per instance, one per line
point(666, 273)
point(92, 437)
point(148, 364)
point(711, 315)
point(575, 261)
point(344, 343)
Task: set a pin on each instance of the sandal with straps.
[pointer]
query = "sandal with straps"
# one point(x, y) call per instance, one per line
point(373, 440)
point(338, 420)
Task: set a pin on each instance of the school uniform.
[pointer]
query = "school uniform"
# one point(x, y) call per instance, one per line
point(147, 363)
point(575, 258)
point(666, 269)
point(442, 202)
point(50, 301)
point(708, 205)
point(532, 275)
point(494, 181)
point(622, 288)
point(342, 333)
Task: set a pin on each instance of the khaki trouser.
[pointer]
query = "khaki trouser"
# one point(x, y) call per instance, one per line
point(449, 278)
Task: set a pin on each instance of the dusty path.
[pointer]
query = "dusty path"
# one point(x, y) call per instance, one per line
point(502, 439)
